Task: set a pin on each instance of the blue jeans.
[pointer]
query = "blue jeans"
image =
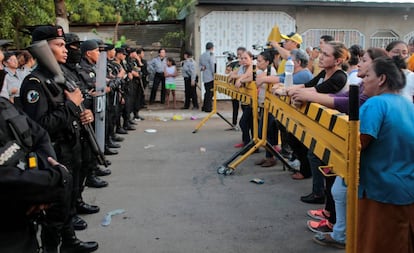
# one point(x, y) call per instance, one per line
point(339, 190)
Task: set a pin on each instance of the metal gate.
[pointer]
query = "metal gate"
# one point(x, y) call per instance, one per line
point(229, 30)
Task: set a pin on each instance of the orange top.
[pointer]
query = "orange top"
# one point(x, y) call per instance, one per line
point(410, 64)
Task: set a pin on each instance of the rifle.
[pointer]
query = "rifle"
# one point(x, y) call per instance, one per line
point(41, 51)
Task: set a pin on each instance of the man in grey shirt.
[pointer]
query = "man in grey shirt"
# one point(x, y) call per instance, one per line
point(156, 66)
point(189, 74)
point(207, 62)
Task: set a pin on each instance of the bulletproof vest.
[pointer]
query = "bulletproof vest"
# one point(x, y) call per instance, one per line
point(87, 74)
point(56, 98)
point(52, 90)
point(116, 68)
point(15, 135)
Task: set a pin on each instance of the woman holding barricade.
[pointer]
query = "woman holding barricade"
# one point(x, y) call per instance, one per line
point(300, 75)
point(245, 75)
point(266, 73)
point(331, 80)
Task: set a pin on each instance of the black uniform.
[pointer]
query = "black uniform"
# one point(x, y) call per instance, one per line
point(87, 74)
point(129, 89)
point(113, 97)
point(84, 152)
point(46, 104)
point(144, 79)
point(121, 95)
point(22, 188)
point(136, 89)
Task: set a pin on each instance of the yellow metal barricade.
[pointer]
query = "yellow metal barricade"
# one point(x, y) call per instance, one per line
point(246, 95)
point(222, 85)
point(333, 138)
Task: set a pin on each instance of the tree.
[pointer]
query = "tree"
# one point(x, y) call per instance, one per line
point(16, 15)
point(170, 9)
point(90, 12)
point(61, 15)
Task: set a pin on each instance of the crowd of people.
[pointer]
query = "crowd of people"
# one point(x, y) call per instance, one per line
point(323, 74)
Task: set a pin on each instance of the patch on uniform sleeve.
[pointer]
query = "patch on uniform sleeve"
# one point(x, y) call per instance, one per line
point(32, 96)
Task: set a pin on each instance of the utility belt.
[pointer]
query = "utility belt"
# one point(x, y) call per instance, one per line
point(17, 142)
point(159, 74)
point(13, 155)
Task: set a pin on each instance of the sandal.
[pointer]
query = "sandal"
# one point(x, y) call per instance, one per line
point(260, 162)
point(297, 176)
point(239, 145)
point(269, 162)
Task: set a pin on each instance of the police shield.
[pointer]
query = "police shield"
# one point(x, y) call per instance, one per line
point(100, 100)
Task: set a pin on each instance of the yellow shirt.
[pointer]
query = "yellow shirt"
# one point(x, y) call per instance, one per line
point(281, 67)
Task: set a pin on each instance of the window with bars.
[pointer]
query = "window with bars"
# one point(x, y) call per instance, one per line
point(348, 37)
point(382, 38)
point(408, 36)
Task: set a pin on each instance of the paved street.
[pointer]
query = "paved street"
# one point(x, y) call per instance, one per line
point(175, 202)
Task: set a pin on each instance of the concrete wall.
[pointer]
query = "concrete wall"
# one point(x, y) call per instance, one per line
point(366, 20)
point(147, 36)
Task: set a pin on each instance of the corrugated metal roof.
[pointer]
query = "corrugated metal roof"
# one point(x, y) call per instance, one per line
point(309, 3)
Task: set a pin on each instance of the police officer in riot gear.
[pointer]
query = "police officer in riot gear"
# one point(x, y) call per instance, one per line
point(27, 188)
point(57, 110)
point(113, 97)
point(128, 87)
point(70, 69)
point(90, 55)
point(119, 70)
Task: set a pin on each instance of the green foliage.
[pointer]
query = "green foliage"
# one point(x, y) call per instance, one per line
point(170, 9)
point(173, 39)
point(15, 15)
point(120, 42)
point(91, 11)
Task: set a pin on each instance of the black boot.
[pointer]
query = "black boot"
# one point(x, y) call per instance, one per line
point(71, 244)
point(110, 151)
point(121, 130)
point(111, 144)
point(116, 138)
point(128, 126)
point(101, 172)
point(79, 223)
point(95, 182)
point(84, 208)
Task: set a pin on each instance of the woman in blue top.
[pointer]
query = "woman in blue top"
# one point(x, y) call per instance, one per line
point(386, 190)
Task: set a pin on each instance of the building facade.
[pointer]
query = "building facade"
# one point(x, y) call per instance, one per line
point(229, 24)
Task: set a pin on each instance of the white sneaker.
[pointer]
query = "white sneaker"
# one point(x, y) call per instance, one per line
point(295, 164)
